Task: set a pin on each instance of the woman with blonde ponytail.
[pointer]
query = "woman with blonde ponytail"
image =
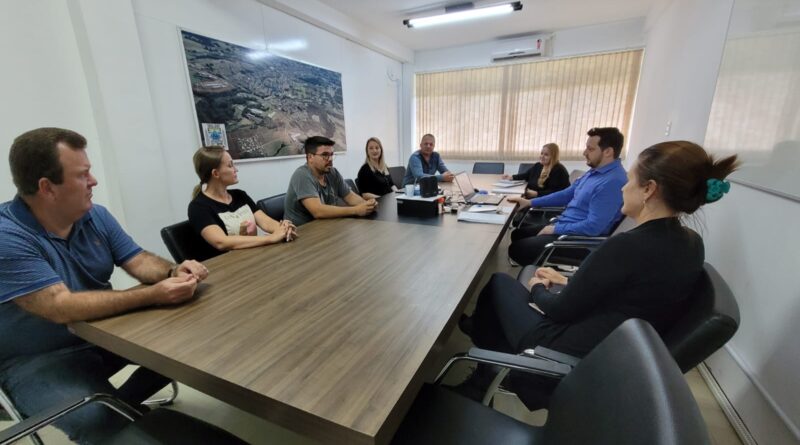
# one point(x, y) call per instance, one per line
point(648, 272)
point(228, 219)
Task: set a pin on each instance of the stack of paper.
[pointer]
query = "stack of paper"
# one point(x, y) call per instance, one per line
point(510, 191)
point(508, 183)
point(482, 217)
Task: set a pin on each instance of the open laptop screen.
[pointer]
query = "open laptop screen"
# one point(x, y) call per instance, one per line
point(464, 184)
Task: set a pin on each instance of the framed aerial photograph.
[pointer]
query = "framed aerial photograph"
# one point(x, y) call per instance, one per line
point(260, 105)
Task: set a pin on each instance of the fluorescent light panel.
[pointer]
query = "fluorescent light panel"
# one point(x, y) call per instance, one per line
point(469, 14)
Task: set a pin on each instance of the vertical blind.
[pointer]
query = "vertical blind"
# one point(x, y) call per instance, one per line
point(508, 112)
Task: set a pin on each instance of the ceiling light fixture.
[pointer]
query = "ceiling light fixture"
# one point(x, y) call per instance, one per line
point(463, 12)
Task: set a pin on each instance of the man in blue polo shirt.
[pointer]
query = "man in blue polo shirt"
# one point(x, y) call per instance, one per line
point(57, 253)
point(593, 202)
point(426, 162)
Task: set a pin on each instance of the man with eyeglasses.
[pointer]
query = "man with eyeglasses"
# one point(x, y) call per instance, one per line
point(318, 191)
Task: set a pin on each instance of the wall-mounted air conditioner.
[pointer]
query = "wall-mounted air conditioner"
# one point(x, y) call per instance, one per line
point(520, 48)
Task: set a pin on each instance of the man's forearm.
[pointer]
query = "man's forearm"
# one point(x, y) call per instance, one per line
point(148, 268)
point(59, 305)
point(328, 211)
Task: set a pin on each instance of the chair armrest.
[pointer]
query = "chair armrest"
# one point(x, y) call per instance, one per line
point(509, 361)
point(572, 244)
point(598, 239)
point(40, 420)
point(547, 209)
point(551, 355)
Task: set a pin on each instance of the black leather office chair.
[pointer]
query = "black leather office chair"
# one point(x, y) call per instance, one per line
point(568, 251)
point(575, 174)
point(523, 167)
point(184, 243)
point(273, 206)
point(628, 390)
point(159, 426)
point(352, 186)
point(397, 174)
point(710, 321)
point(493, 168)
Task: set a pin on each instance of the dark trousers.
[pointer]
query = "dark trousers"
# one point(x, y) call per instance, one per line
point(526, 245)
point(39, 382)
point(502, 319)
point(504, 322)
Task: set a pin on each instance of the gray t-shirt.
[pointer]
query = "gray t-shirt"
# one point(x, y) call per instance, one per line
point(304, 185)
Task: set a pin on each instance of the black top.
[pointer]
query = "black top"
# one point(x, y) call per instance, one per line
point(204, 212)
point(370, 181)
point(557, 180)
point(647, 272)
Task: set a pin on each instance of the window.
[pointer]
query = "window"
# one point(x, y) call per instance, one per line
point(508, 112)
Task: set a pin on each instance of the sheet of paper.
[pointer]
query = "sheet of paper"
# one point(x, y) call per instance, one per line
point(484, 218)
point(505, 183)
point(510, 191)
point(482, 208)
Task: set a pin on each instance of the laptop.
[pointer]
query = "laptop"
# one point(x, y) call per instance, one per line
point(470, 194)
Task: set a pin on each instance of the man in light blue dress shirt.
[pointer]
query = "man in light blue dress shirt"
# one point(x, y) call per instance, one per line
point(593, 202)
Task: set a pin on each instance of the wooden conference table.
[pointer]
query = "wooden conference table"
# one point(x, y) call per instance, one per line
point(331, 335)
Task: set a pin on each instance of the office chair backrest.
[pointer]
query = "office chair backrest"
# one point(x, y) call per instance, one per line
point(711, 320)
point(350, 183)
point(628, 390)
point(493, 168)
point(397, 174)
point(575, 175)
point(184, 243)
point(523, 167)
point(273, 206)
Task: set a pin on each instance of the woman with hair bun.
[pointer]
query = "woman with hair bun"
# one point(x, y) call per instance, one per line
point(227, 218)
point(648, 272)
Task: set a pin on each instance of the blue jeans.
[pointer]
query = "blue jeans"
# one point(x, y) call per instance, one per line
point(36, 383)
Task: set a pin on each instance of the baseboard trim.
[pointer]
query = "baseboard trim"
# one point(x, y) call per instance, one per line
point(727, 408)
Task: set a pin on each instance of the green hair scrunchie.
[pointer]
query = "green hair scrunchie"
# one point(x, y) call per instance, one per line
point(716, 188)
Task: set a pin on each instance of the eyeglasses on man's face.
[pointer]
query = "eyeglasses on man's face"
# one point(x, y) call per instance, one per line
point(326, 156)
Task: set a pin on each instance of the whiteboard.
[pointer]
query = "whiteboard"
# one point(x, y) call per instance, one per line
point(756, 107)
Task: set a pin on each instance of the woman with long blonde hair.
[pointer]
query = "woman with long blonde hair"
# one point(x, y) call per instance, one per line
point(546, 176)
point(373, 179)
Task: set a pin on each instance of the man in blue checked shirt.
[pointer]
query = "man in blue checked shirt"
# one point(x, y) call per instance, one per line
point(57, 253)
point(592, 203)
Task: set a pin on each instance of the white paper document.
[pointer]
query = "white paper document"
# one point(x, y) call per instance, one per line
point(482, 208)
point(504, 183)
point(481, 217)
point(510, 191)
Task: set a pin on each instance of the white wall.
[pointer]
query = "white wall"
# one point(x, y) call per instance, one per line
point(42, 83)
point(569, 42)
point(748, 234)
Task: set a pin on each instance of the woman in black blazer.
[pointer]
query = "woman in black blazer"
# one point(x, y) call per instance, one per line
point(546, 176)
point(648, 272)
point(373, 179)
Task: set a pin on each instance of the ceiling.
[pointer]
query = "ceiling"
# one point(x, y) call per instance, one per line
point(386, 17)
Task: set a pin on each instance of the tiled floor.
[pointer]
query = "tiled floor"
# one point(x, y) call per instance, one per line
point(257, 431)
